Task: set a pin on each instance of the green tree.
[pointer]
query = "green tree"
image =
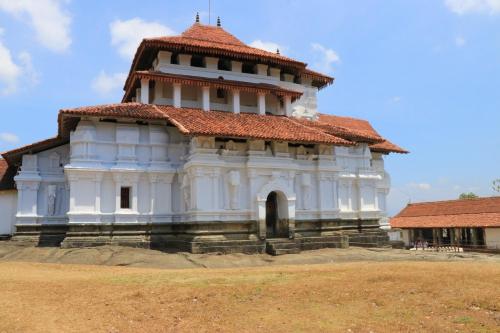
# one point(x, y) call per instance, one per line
point(469, 195)
point(496, 185)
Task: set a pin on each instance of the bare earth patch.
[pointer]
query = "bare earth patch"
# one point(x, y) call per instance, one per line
point(359, 296)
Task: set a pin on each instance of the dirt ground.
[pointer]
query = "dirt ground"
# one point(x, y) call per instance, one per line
point(329, 290)
point(125, 256)
point(362, 296)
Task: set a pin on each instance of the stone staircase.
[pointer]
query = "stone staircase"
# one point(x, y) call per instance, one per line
point(279, 246)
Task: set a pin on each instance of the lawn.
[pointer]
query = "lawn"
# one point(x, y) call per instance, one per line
point(339, 297)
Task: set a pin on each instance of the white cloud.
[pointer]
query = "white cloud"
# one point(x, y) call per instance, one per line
point(460, 41)
point(267, 46)
point(29, 72)
point(9, 71)
point(50, 21)
point(462, 7)
point(127, 35)
point(326, 57)
point(421, 186)
point(12, 71)
point(108, 84)
point(9, 137)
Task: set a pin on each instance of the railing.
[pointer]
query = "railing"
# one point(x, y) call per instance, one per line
point(455, 248)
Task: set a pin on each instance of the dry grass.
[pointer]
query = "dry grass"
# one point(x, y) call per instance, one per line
point(348, 297)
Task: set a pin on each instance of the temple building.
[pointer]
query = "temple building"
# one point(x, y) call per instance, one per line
point(216, 146)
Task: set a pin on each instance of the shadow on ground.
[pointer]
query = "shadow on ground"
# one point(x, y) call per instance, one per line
point(134, 257)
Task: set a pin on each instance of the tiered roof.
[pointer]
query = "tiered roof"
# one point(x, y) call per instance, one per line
point(479, 212)
point(215, 41)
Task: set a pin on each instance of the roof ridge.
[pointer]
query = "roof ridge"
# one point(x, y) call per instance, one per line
point(179, 126)
point(322, 132)
point(445, 214)
point(452, 200)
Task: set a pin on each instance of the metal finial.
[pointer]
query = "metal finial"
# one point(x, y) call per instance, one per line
point(218, 21)
point(277, 51)
point(197, 17)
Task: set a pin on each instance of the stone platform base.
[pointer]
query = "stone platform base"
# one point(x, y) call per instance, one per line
point(204, 237)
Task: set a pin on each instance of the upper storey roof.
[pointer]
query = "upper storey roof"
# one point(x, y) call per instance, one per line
point(215, 41)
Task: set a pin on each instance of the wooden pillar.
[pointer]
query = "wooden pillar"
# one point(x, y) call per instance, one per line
point(473, 236)
point(440, 236)
point(434, 238)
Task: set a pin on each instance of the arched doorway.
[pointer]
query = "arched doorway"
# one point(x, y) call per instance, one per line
point(276, 220)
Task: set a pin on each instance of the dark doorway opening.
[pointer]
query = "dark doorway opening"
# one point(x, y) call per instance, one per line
point(276, 226)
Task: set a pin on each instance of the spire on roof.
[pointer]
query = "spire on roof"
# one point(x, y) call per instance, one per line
point(197, 17)
point(218, 21)
point(277, 51)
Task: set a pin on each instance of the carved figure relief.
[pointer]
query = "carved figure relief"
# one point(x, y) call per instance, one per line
point(186, 192)
point(234, 183)
point(51, 199)
point(306, 191)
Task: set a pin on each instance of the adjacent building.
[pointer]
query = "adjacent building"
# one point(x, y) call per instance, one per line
point(216, 146)
point(470, 223)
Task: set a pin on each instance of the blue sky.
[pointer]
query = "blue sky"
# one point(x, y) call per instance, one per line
point(425, 73)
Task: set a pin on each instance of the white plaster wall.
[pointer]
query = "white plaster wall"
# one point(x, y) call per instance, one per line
point(8, 210)
point(492, 238)
point(174, 178)
point(42, 189)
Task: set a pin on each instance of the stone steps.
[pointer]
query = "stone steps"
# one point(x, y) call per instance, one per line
point(282, 246)
point(227, 246)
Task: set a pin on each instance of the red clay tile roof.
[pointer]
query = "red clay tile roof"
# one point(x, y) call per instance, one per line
point(480, 212)
point(353, 129)
point(246, 125)
point(7, 174)
point(197, 122)
point(14, 156)
point(328, 130)
point(200, 81)
point(219, 41)
point(215, 41)
point(386, 147)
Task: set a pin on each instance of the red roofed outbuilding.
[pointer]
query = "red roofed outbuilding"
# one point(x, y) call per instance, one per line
point(466, 222)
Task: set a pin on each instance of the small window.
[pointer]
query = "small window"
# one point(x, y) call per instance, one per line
point(224, 65)
point(248, 68)
point(197, 61)
point(221, 93)
point(125, 198)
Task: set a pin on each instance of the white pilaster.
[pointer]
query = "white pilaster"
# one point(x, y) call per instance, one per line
point(185, 59)
point(98, 181)
point(236, 66)
point(205, 98)
point(211, 62)
point(236, 101)
point(177, 94)
point(262, 69)
point(164, 58)
point(275, 72)
point(261, 104)
point(288, 106)
point(145, 91)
